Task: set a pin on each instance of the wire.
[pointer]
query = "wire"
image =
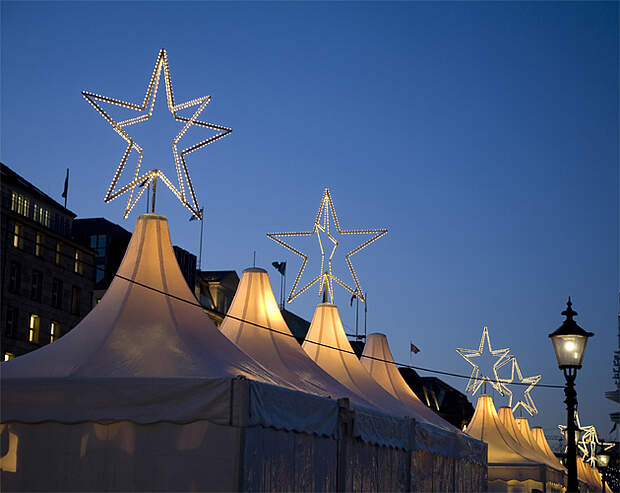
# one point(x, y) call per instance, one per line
point(430, 370)
point(288, 334)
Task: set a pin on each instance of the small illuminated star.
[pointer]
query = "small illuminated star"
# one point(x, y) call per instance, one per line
point(475, 381)
point(142, 180)
point(526, 402)
point(326, 276)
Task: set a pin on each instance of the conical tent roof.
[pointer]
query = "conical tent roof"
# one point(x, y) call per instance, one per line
point(378, 360)
point(541, 440)
point(148, 324)
point(485, 425)
point(277, 349)
point(334, 354)
point(525, 439)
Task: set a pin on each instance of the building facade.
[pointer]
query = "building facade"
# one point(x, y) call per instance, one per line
point(47, 278)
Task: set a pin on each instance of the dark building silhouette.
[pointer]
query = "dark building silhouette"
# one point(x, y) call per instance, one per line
point(187, 263)
point(215, 290)
point(47, 277)
point(109, 241)
point(442, 398)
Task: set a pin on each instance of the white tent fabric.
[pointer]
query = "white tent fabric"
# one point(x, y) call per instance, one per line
point(510, 461)
point(326, 343)
point(541, 441)
point(271, 343)
point(485, 425)
point(379, 362)
point(134, 342)
point(520, 431)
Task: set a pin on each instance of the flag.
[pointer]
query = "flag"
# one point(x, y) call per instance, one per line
point(194, 218)
point(280, 267)
point(414, 349)
point(352, 298)
point(64, 193)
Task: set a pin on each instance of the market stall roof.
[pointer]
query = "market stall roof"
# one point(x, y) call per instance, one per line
point(255, 324)
point(326, 343)
point(147, 326)
point(541, 441)
point(520, 431)
point(485, 425)
point(378, 360)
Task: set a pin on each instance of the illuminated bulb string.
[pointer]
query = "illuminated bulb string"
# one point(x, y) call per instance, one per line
point(145, 179)
point(326, 277)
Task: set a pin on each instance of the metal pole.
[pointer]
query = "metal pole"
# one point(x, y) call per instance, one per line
point(154, 192)
point(357, 305)
point(365, 313)
point(202, 218)
point(572, 485)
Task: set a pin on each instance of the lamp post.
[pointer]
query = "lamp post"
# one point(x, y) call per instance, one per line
point(602, 460)
point(569, 343)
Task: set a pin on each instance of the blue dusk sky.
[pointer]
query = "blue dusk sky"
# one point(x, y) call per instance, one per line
point(484, 136)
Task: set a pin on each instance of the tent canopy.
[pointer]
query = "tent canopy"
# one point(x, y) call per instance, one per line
point(326, 343)
point(255, 324)
point(133, 344)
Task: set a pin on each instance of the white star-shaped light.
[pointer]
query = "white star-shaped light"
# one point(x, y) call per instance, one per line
point(526, 400)
point(321, 228)
point(477, 378)
point(144, 179)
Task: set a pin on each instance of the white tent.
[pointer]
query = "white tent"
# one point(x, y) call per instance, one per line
point(135, 341)
point(255, 324)
point(378, 360)
point(510, 464)
point(541, 441)
point(520, 430)
point(326, 343)
point(145, 394)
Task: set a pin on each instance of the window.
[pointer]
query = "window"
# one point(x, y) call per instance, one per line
point(33, 332)
point(11, 321)
point(20, 204)
point(57, 293)
point(15, 278)
point(38, 244)
point(58, 252)
point(18, 236)
point(78, 266)
point(8, 356)
point(99, 243)
point(41, 215)
point(37, 282)
point(54, 331)
point(75, 300)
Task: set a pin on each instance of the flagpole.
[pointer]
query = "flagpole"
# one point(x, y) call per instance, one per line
point(365, 313)
point(202, 219)
point(410, 354)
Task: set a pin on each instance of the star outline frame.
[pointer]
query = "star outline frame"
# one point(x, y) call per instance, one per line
point(182, 170)
point(326, 278)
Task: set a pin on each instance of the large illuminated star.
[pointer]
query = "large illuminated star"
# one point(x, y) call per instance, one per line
point(321, 228)
point(475, 380)
point(143, 180)
point(526, 401)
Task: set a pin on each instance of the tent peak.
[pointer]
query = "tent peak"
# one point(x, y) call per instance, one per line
point(152, 215)
point(254, 269)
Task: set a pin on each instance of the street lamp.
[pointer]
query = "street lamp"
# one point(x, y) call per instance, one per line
point(569, 343)
point(603, 461)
